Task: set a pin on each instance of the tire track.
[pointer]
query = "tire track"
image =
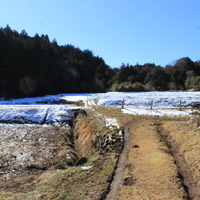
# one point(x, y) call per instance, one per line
point(119, 173)
point(185, 174)
point(150, 170)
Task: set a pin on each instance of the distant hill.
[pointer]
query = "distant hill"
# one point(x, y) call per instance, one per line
point(34, 66)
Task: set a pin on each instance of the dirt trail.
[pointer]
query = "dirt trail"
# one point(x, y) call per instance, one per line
point(151, 172)
point(120, 169)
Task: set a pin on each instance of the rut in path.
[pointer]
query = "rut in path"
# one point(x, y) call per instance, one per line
point(185, 174)
point(120, 169)
point(151, 172)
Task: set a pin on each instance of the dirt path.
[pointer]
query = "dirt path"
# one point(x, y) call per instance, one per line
point(151, 173)
point(119, 174)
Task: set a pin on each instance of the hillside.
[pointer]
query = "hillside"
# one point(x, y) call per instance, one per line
point(35, 66)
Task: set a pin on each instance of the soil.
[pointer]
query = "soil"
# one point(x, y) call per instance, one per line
point(120, 169)
point(183, 140)
point(153, 171)
point(156, 168)
point(150, 172)
point(33, 149)
point(48, 162)
point(160, 161)
point(185, 173)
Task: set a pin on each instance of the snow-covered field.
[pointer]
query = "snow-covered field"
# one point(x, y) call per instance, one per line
point(140, 103)
point(36, 114)
point(137, 99)
point(49, 109)
point(144, 99)
point(133, 99)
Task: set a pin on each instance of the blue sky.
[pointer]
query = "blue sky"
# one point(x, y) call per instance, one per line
point(119, 31)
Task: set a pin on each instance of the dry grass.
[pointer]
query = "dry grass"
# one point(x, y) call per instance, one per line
point(151, 173)
point(152, 169)
point(69, 184)
point(73, 182)
point(187, 136)
point(115, 112)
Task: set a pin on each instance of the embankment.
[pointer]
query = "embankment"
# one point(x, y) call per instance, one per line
point(44, 162)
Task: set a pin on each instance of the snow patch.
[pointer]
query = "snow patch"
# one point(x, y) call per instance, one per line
point(86, 167)
point(111, 122)
point(156, 112)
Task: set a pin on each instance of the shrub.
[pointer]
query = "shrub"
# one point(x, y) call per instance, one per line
point(193, 83)
point(128, 87)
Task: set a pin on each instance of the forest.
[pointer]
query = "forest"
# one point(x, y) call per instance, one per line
point(36, 66)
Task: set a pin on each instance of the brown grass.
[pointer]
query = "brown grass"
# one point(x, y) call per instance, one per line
point(187, 136)
point(150, 173)
point(69, 184)
point(72, 182)
point(153, 171)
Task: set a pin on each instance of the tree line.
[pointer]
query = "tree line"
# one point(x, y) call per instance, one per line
point(183, 75)
point(36, 66)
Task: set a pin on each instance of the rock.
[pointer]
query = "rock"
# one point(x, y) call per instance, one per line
point(128, 181)
point(81, 161)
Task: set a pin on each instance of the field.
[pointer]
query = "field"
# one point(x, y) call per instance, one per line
point(161, 161)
